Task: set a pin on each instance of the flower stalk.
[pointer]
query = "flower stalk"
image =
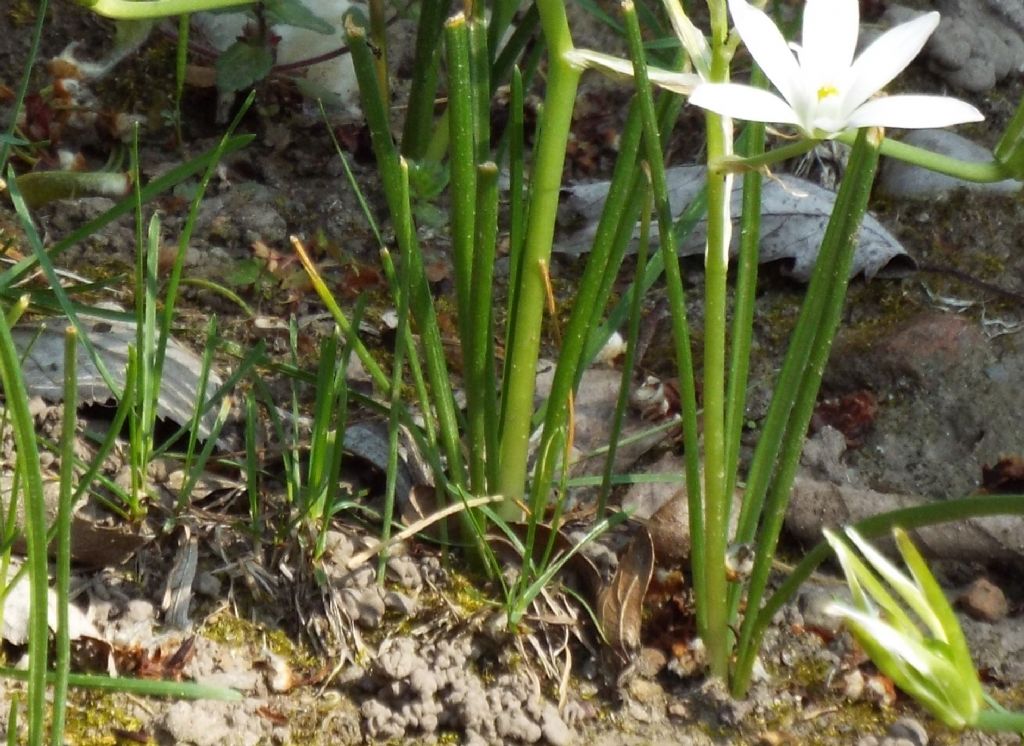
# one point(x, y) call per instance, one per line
point(719, 134)
point(556, 117)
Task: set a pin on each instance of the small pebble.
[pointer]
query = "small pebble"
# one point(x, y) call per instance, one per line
point(207, 584)
point(366, 606)
point(910, 730)
point(403, 604)
point(984, 601)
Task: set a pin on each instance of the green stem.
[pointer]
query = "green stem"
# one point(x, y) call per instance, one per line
point(62, 664)
point(462, 166)
point(421, 300)
point(635, 309)
point(743, 312)
point(995, 721)
point(404, 224)
point(547, 178)
point(1010, 149)
point(716, 267)
point(419, 117)
point(819, 320)
point(135, 10)
point(743, 320)
point(677, 304)
point(35, 528)
point(758, 161)
point(943, 164)
point(479, 373)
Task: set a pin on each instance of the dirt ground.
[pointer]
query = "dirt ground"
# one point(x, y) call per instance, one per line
point(922, 395)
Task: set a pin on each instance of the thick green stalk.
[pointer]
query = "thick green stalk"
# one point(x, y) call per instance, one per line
point(421, 300)
point(480, 66)
point(556, 119)
point(462, 166)
point(378, 35)
point(134, 10)
point(404, 223)
point(481, 380)
point(743, 320)
point(826, 294)
point(743, 308)
point(716, 269)
point(419, 116)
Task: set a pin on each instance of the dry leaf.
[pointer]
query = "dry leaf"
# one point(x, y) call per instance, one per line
point(620, 604)
point(794, 213)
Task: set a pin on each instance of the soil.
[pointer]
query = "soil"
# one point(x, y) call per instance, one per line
point(324, 654)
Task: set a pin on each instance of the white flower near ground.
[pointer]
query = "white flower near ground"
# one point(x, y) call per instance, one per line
point(824, 90)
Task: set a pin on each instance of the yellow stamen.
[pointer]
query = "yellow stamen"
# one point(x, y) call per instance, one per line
point(827, 90)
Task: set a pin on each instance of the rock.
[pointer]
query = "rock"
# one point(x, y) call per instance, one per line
point(403, 604)
point(903, 180)
point(812, 603)
point(207, 584)
point(976, 45)
point(984, 601)
point(909, 730)
point(365, 605)
point(946, 409)
point(920, 350)
point(554, 729)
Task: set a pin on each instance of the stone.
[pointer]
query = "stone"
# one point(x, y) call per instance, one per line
point(903, 180)
point(984, 600)
point(909, 730)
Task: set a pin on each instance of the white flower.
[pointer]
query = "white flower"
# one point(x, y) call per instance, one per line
point(690, 37)
point(824, 90)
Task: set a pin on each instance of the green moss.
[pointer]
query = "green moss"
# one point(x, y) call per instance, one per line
point(93, 719)
point(227, 629)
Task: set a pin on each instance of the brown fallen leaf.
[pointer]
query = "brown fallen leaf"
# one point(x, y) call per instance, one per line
point(620, 604)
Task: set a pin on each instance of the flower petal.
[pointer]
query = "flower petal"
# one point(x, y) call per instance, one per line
point(886, 58)
point(692, 39)
point(829, 39)
point(914, 112)
point(743, 102)
point(769, 49)
point(584, 59)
